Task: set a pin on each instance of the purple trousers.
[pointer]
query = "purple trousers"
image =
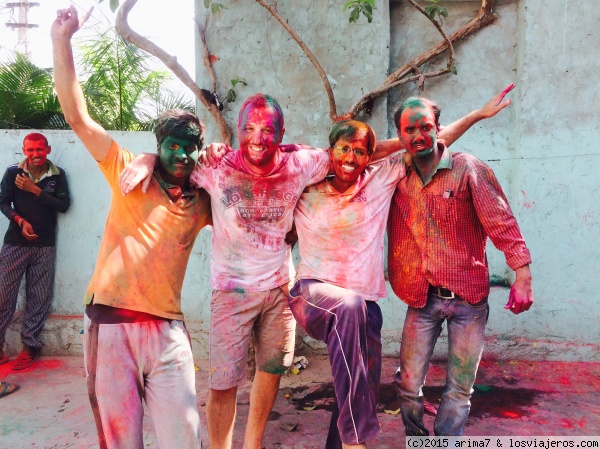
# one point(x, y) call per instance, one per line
point(351, 328)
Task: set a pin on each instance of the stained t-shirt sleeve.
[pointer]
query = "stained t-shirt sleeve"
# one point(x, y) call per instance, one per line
point(200, 176)
point(315, 163)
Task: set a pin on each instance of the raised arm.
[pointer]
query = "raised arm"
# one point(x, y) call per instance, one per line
point(455, 130)
point(94, 137)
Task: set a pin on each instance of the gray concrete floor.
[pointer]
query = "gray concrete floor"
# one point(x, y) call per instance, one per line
point(511, 398)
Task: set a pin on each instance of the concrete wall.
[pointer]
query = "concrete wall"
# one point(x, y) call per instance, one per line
point(543, 149)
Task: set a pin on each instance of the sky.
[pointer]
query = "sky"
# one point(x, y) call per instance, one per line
point(171, 28)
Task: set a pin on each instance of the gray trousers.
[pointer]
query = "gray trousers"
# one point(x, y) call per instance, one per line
point(37, 263)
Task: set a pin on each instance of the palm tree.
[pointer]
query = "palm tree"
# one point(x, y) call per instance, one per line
point(27, 96)
point(121, 90)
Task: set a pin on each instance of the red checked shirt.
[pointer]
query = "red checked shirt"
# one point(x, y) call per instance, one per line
point(438, 229)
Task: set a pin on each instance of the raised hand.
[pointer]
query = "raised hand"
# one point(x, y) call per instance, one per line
point(496, 104)
point(68, 22)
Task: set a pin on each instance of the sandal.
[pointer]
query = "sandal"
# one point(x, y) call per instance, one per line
point(26, 358)
point(7, 388)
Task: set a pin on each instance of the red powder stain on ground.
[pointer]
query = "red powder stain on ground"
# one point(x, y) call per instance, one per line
point(565, 380)
point(581, 422)
point(567, 424)
point(47, 364)
point(510, 415)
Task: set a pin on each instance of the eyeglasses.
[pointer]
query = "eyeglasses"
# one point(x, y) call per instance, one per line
point(358, 152)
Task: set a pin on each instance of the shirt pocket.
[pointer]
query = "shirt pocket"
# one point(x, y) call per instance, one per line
point(447, 213)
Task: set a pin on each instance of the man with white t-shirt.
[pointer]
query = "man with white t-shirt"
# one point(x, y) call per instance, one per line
point(341, 224)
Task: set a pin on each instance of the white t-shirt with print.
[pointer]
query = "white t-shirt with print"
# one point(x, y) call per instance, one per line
point(252, 214)
point(341, 235)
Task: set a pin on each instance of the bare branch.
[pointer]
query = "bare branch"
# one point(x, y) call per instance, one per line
point(483, 18)
point(207, 62)
point(308, 53)
point(439, 28)
point(170, 61)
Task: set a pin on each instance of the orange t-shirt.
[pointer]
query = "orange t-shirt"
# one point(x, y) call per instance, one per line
point(146, 245)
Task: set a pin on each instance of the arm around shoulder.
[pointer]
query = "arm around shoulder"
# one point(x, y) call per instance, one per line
point(94, 137)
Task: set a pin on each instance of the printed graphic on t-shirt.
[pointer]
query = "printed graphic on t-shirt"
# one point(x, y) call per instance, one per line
point(258, 201)
point(50, 187)
point(360, 198)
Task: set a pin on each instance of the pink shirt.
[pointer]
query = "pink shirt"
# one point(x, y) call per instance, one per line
point(341, 235)
point(252, 214)
point(439, 229)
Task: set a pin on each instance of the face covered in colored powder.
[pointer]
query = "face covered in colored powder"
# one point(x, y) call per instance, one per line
point(260, 135)
point(178, 157)
point(36, 152)
point(348, 160)
point(418, 131)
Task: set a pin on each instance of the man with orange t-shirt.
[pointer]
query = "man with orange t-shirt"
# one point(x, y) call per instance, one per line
point(136, 344)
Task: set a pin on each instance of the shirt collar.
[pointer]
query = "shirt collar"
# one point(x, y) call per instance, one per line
point(445, 162)
point(52, 169)
point(175, 192)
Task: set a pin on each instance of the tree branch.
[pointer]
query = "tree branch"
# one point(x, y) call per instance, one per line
point(441, 31)
point(207, 63)
point(483, 18)
point(170, 61)
point(332, 109)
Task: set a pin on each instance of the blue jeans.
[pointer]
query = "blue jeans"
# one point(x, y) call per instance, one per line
point(351, 327)
point(422, 327)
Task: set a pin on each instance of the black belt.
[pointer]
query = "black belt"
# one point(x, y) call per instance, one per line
point(442, 292)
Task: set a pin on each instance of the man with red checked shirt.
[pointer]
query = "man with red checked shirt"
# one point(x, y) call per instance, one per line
point(441, 215)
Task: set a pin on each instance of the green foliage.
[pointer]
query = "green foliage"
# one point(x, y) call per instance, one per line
point(214, 7)
point(435, 9)
point(121, 90)
point(365, 7)
point(27, 97)
point(453, 70)
point(231, 95)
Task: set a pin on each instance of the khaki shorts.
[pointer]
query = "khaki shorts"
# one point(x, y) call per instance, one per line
point(234, 317)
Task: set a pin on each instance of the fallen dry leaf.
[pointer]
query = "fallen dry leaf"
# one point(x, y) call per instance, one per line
point(288, 427)
point(392, 412)
point(308, 409)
